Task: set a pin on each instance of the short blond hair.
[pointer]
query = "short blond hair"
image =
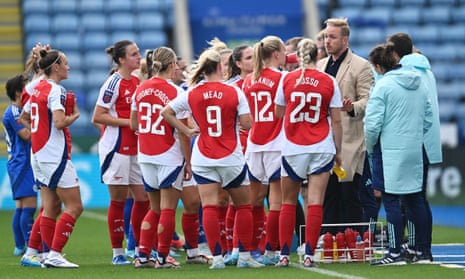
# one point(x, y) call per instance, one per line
point(339, 22)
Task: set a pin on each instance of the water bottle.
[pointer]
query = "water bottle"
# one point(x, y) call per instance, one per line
point(340, 172)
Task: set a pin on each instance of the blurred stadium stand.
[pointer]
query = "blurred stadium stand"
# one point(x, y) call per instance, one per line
point(437, 28)
point(84, 28)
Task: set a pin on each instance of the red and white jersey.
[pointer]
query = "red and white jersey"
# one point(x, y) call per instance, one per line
point(49, 144)
point(266, 131)
point(215, 107)
point(307, 126)
point(158, 140)
point(27, 90)
point(116, 95)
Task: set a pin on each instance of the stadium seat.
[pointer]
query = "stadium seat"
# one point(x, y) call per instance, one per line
point(457, 72)
point(62, 22)
point(453, 33)
point(436, 14)
point(93, 22)
point(97, 60)
point(147, 5)
point(151, 40)
point(60, 6)
point(118, 36)
point(75, 81)
point(425, 34)
point(74, 60)
point(35, 7)
point(36, 23)
point(95, 41)
point(347, 12)
point(454, 90)
point(384, 3)
point(458, 14)
point(121, 21)
point(32, 38)
point(67, 41)
point(120, 6)
point(368, 35)
point(447, 110)
point(353, 3)
point(417, 3)
point(379, 16)
point(404, 16)
point(443, 2)
point(95, 79)
point(149, 21)
point(441, 71)
point(92, 6)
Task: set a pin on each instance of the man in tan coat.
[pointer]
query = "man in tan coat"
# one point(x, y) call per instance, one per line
point(355, 78)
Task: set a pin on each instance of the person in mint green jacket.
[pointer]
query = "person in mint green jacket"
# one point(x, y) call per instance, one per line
point(432, 152)
point(399, 114)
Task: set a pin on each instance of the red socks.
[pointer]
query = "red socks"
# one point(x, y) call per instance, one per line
point(272, 229)
point(313, 227)
point(35, 240)
point(148, 233)
point(243, 227)
point(139, 209)
point(115, 221)
point(63, 230)
point(222, 220)
point(286, 228)
point(229, 227)
point(190, 227)
point(165, 231)
point(47, 230)
point(258, 216)
point(211, 227)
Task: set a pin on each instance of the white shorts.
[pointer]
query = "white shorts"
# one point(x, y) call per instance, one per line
point(122, 170)
point(190, 183)
point(53, 175)
point(158, 177)
point(299, 166)
point(230, 177)
point(264, 166)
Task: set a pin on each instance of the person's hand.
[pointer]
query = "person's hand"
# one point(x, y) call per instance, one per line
point(347, 105)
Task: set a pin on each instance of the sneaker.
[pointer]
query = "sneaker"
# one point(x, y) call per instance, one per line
point(391, 260)
point(120, 260)
point(308, 262)
point(424, 258)
point(250, 262)
point(174, 254)
point(31, 260)
point(130, 254)
point(204, 249)
point(177, 245)
point(168, 262)
point(408, 253)
point(19, 251)
point(283, 262)
point(58, 261)
point(144, 263)
point(270, 260)
point(218, 263)
point(231, 258)
point(199, 259)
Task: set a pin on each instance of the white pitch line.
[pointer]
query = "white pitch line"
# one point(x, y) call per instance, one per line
point(327, 272)
point(94, 215)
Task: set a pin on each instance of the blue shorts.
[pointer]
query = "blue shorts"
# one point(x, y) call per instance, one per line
point(22, 184)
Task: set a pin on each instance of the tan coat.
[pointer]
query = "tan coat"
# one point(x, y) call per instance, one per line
point(355, 79)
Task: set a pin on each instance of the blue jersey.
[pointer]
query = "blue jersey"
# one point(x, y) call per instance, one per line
point(19, 154)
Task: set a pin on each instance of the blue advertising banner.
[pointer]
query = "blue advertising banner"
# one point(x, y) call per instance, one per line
point(242, 21)
point(94, 194)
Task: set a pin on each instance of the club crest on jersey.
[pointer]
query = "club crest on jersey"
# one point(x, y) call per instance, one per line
point(107, 96)
point(63, 99)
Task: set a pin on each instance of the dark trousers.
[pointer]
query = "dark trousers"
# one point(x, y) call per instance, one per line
point(342, 203)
